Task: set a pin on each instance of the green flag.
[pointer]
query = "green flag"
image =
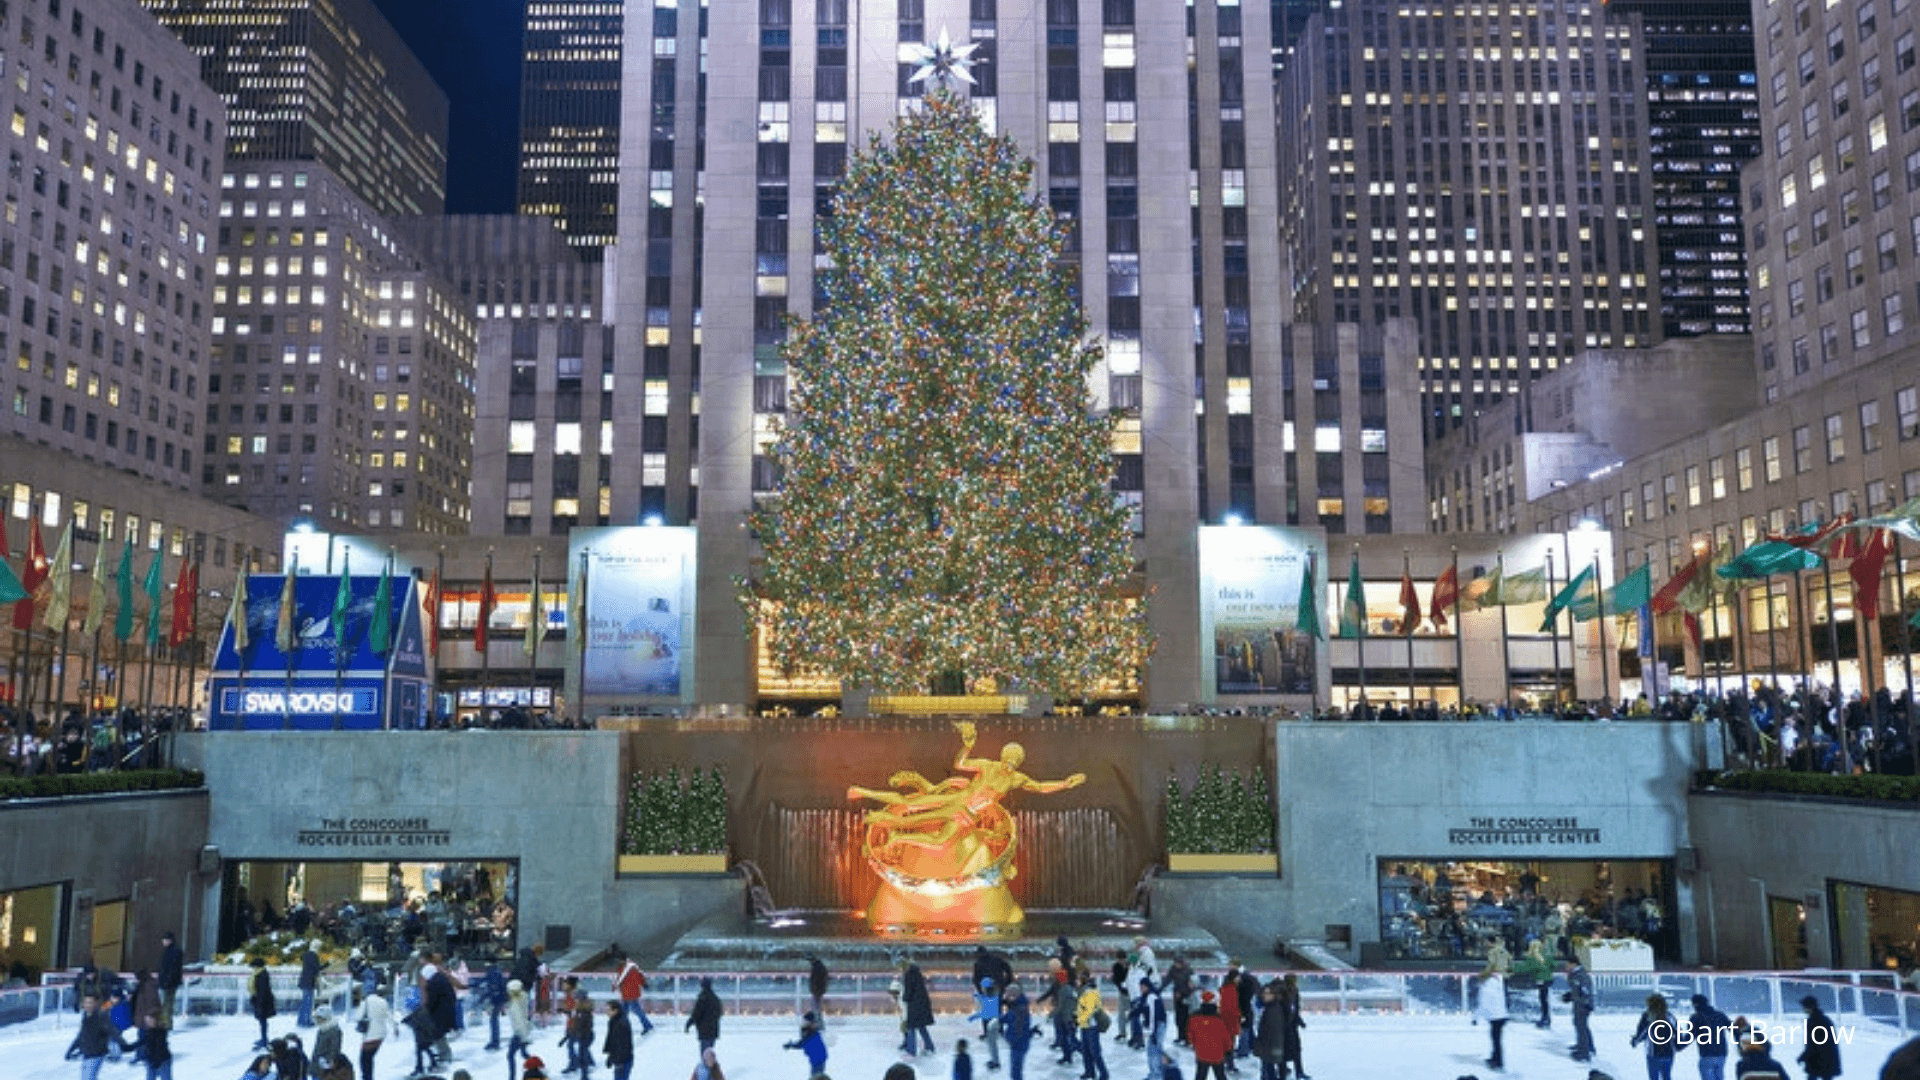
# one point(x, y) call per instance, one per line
point(536, 613)
point(380, 631)
point(152, 586)
point(1307, 621)
point(1526, 587)
point(237, 615)
point(1582, 586)
point(1483, 591)
point(1902, 520)
point(1630, 593)
point(11, 591)
point(342, 604)
point(96, 592)
point(1767, 558)
point(1353, 613)
point(123, 585)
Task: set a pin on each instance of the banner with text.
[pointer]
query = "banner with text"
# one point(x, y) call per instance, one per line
point(1250, 577)
point(639, 605)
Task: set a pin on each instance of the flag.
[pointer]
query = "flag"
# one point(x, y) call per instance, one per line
point(32, 573)
point(123, 589)
point(380, 631)
point(577, 604)
point(1409, 604)
point(1446, 593)
point(286, 620)
point(1697, 595)
point(342, 605)
point(9, 582)
point(153, 585)
point(488, 601)
point(1902, 520)
point(1668, 597)
point(1307, 618)
point(1630, 593)
point(1353, 613)
point(1812, 535)
point(237, 615)
point(536, 613)
point(1865, 572)
point(1526, 587)
point(1767, 558)
point(1692, 622)
point(430, 603)
point(1483, 591)
point(96, 592)
point(185, 592)
point(1582, 585)
point(60, 582)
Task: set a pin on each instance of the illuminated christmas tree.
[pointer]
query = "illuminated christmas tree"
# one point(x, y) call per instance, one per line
point(946, 503)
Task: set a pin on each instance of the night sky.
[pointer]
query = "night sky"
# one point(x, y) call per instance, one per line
point(472, 49)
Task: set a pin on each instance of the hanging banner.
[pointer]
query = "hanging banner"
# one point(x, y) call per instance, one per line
point(1250, 578)
point(639, 606)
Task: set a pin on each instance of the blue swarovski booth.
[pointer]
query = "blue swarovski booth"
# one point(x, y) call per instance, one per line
point(333, 678)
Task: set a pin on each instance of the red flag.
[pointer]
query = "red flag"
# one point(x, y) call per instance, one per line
point(1446, 593)
point(488, 601)
point(1668, 597)
point(1865, 572)
point(184, 590)
point(1815, 536)
point(430, 603)
point(1409, 605)
point(32, 576)
point(1692, 623)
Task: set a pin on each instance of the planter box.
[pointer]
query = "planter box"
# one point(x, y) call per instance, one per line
point(673, 864)
point(945, 704)
point(1268, 864)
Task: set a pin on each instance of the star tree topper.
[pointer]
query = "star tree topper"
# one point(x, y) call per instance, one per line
point(941, 62)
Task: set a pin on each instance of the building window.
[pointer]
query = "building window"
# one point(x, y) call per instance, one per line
point(1770, 457)
point(1743, 468)
point(1869, 426)
point(1836, 439)
point(1802, 449)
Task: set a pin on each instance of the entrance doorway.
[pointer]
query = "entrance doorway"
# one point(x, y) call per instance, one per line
point(110, 934)
point(1787, 926)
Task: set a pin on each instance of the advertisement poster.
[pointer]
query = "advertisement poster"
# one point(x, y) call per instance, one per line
point(639, 599)
point(1250, 579)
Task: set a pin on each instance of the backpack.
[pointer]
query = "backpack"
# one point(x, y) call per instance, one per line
point(1101, 1021)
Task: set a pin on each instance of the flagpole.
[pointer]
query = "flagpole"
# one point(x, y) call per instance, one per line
point(486, 654)
point(579, 635)
point(1553, 628)
point(1506, 649)
point(193, 633)
point(239, 654)
point(536, 632)
point(287, 587)
point(1803, 647)
point(1406, 568)
point(1906, 628)
point(1459, 635)
point(1360, 638)
point(1600, 600)
point(340, 643)
point(1833, 645)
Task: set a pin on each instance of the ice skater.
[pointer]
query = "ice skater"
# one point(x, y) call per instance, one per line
point(811, 1044)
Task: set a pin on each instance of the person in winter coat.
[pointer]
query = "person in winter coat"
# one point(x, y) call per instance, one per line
point(918, 1004)
point(172, 970)
point(1656, 1030)
point(153, 1040)
point(1016, 1023)
point(1292, 1020)
point(632, 986)
point(1212, 1040)
point(492, 995)
point(817, 987)
point(618, 1048)
point(1230, 1014)
point(375, 1018)
point(1822, 1055)
point(1180, 980)
point(1756, 1062)
point(1057, 996)
point(90, 1043)
point(309, 983)
point(1269, 1040)
point(986, 1009)
point(811, 1044)
point(709, 1066)
point(1580, 995)
point(261, 1069)
point(1711, 1033)
point(1086, 1018)
point(326, 1044)
point(519, 1025)
point(1492, 1007)
point(1249, 1003)
point(1534, 969)
point(262, 999)
point(704, 1021)
point(579, 1037)
point(1152, 1008)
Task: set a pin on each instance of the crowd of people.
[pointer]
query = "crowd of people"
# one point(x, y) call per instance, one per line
point(1424, 919)
point(82, 742)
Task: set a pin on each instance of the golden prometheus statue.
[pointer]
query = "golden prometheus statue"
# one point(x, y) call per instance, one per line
point(944, 852)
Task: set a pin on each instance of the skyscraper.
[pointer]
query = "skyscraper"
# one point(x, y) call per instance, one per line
point(570, 117)
point(1703, 119)
point(1480, 170)
point(326, 81)
point(736, 125)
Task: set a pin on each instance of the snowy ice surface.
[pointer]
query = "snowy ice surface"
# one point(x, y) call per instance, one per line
point(862, 1047)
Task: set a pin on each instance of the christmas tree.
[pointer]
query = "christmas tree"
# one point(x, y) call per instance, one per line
point(1259, 830)
point(946, 505)
point(1179, 823)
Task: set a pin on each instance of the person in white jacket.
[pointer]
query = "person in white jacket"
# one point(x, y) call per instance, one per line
point(1491, 1006)
point(374, 1020)
point(520, 1021)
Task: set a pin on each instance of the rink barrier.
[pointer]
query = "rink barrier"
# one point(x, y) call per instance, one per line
point(1867, 998)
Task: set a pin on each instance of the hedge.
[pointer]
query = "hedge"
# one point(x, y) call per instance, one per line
point(1881, 788)
point(98, 783)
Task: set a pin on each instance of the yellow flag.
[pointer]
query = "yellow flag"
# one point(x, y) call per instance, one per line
point(60, 582)
point(96, 591)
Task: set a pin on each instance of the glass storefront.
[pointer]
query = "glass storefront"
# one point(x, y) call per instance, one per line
point(463, 908)
point(1435, 910)
point(1875, 927)
point(30, 930)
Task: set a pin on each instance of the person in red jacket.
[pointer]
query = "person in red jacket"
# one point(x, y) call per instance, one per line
point(1212, 1039)
point(1230, 1013)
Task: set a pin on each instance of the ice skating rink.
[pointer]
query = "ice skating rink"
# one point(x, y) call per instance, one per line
point(862, 1047)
